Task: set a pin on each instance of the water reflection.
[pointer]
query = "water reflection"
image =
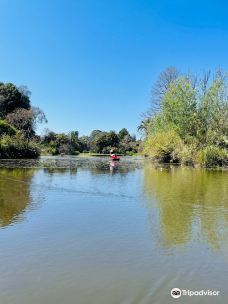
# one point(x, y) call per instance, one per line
point(192, 204)
point(15, 194)
point(17, 191)
point(62, 171)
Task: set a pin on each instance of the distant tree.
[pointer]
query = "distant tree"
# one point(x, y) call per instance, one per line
point(74, 137)
point(100, 142)
point(123, 132)
point(48, 136)
point(104, 141)
point(125, 144)
point(94, 133)
point(62, 138)
point(93, 138)
point(74, 142)
point(84, 142)
point(113, 139)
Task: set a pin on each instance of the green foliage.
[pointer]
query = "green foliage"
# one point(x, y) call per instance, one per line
point(123, 132)
point(179, 108)
point(61, 143)
point(15, 146)
point(102, 142)
point(163, 146)
point(212, 156)
point(6, 129)
point(122, 142)
point(12, 98)
point(196, 111)
point(98, 142)
point(18, 121)
point(187, 154)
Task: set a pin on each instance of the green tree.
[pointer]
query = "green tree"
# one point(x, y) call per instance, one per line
point(194, 112)
point(13, 98)
point(6, 128)
point(123, 132)
point(84, 142)
point(26, 120)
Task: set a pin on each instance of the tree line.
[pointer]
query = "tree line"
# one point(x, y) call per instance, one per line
point(19, 121)
point(97, 142)
point(186, 123)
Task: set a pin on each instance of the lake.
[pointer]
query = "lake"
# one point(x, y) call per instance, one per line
point(84, 231)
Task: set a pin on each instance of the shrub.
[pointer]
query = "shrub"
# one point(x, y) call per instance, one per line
point(212, 156)
point(163, 146)
point(187, 154)
point(16, 147)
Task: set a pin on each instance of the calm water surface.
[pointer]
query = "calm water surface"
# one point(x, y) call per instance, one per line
point(87, 232)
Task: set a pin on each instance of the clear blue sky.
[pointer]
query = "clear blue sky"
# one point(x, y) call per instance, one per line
point(90, 64)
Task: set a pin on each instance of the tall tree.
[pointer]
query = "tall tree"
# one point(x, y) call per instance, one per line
point(13, 98)
point(26, 120)
point(161, 87)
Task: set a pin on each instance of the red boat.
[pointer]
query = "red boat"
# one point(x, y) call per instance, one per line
point(114, 157)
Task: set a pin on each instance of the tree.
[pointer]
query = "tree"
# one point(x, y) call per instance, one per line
point(104, 141)
point(6, 128)
point(179, 108)
point(27, 120)
point(74, 142)
point(161, 87)
point(195, 110)
point(113, 139)
point(84, 142)
point(49, 136)
point(92, 139)
point(94, 133)
point(123, 132)
point(13, 98)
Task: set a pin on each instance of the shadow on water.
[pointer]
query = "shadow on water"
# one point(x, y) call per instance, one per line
point(191, 203)
point(15, 194)
point(61, 171)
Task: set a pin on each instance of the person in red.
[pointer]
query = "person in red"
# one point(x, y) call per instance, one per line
point(113, 155)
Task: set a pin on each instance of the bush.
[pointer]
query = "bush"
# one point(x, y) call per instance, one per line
point(187, 154)
point(212, 156)
point(163, 146)
point(75, 153)
point(12, 147)
point(6, 129)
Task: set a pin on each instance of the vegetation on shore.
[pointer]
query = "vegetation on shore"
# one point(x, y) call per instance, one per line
point(188, 119)
point(18, 122)
point(187, 123)
point(99, 142)
point(18, 139)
